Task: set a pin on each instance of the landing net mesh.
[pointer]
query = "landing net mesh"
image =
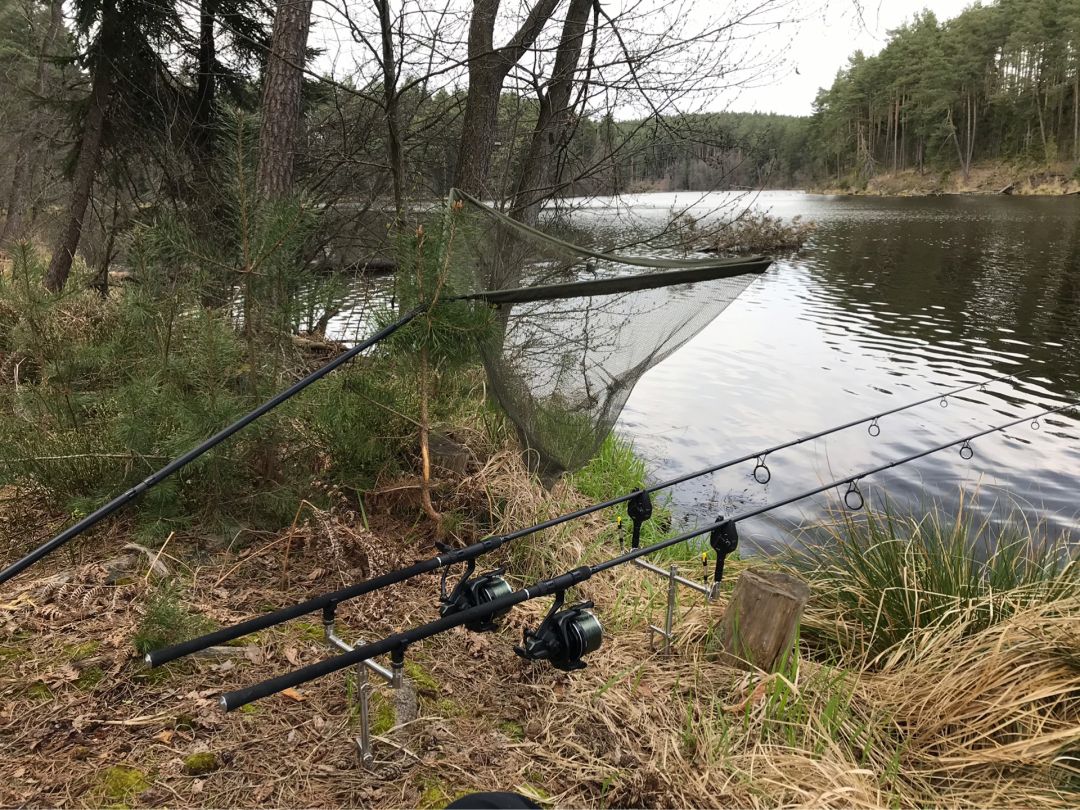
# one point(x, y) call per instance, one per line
point(563, 358)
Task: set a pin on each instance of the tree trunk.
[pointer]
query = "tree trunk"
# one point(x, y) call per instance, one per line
point(956, 141)
point(390, 101)
point(972, 120)
point(539, 175)
point(488, 67)
point(89, 156)
point(1076, 116)
point(486, 75)
point(282, 86)
point(206, 80)
point(24, 155)
point(1038, 110)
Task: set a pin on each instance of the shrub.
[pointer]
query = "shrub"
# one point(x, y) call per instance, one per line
point(167, 621)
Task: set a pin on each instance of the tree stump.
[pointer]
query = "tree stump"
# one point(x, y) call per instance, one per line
point(448, 454)
point(761, 620)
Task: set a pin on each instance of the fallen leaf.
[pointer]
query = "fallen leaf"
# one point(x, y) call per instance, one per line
point(292, 694)
point(165, 736)
point(292, 656)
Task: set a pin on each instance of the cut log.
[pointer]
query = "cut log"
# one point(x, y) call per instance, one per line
point(762, 618)
point(1008, 189)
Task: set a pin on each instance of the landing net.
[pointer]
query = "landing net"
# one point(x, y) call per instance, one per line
point(576, 327)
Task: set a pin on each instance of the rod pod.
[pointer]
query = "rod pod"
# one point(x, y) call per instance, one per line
point(166, 654)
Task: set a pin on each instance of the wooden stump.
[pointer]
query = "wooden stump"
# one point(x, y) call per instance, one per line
point(761, 620)
point(448, 454)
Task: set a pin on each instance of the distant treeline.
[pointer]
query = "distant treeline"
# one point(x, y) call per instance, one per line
point(699, 152)
point(998, 82)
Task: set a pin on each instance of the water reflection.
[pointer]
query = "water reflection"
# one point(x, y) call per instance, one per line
point(892, 299)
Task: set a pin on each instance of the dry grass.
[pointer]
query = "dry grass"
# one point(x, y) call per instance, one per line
point(988, 178)
point(963, 718)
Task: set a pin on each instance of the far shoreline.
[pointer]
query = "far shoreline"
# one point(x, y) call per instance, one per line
point(989, 179)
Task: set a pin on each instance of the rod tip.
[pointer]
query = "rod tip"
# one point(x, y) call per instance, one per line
point(148, 659)
point(223, 702)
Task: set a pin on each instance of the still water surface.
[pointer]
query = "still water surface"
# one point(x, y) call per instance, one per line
point(892, 300)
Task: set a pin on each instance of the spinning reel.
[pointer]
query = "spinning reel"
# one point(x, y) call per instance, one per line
point(470, 592)
point(564, 637)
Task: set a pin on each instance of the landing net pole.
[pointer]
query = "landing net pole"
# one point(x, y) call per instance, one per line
point(176, 464)
point(398, 643)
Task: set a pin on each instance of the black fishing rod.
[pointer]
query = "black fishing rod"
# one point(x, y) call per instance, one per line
point(640, 510)
point(122, 500)
point(483, 613)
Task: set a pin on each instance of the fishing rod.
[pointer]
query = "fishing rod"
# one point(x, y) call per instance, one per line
point(639, 510)
point(564, 636)
point(178, 463)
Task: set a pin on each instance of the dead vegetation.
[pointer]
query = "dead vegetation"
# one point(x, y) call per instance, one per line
point(959, 715)
point(752, 232)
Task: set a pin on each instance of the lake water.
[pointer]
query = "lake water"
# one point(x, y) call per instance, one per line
point(891, 301)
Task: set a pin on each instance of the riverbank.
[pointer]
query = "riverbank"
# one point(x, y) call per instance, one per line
point(921, 679)
point(992, 178)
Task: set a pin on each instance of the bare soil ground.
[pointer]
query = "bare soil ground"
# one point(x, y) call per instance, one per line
point(979, 721)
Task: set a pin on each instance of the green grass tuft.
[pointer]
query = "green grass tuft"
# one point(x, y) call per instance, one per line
point(881, 580)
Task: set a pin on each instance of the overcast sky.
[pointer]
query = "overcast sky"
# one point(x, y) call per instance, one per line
point(810, 52)
point(821, 45)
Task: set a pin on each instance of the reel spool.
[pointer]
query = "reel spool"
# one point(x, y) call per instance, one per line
point(469, 593)
point(564, 637)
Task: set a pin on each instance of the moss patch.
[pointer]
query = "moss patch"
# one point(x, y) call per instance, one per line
point(77, 652)
point(9, 653)
point(433, 795)
point(383, 717)
point(421, 678)
point(201, 763)
point(89, 678)
point(536, 793)
point(39, 691)
point(184, 722)
point(445, 707)
point(122, 783)
point(512, 729)
point(309, 631)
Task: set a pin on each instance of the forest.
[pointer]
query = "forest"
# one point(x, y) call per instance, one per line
point(115, 111)
point(999, 82)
